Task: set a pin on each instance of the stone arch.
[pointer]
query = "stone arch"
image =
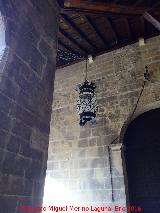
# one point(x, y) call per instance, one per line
point(117, 155)
point(140, 111)
point(27, 65)
point(132, 146)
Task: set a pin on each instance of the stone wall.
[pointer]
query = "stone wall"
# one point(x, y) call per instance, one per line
point(78, 160)
point(26, 90)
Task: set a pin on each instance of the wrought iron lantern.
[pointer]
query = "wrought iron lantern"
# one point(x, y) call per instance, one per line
point(86, 102)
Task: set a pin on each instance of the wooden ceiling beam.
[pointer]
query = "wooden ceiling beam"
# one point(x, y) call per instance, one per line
point(155, 5)
point(94, 13)
point(94, 27)
point(67, 47)
point(128, 28)
point(71, 39)
point(112, 28)
point(61, 3)
point(78, 30)
point(103, 7)
point(137, 2)
point(142, 26)
point(116, 1)
point(152, 20)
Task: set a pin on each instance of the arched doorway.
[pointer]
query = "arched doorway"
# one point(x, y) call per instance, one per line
point(142, 161)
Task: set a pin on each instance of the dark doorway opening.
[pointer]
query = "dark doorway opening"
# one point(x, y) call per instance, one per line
point(142, 161)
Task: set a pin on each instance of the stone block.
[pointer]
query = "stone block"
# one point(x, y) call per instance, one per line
point(118, 182)
point(21, 130)
point(37, 62)
point(25, 148)
point(5, 103)
point(97, 163)
point(37, 189)
point(91, 163)
point(29, 33)
point(99, 172)
point(2, 153)
point(101, 131)
point(29, 38)
point(16, 68)
point(5, 187)
point(19, 168)
point(86, 173)
point(73, 184)
point(8, 203)
point(102, 196)
point(85, 133)
point(79, 153)
point(24, 115)
point(108, 182)
point(25, 101)
point(36, 169)
point(9, 163)
point(97, 183)
point(3, 138)
point(14, 144)
point(28, 185)
point(39, 140)
point(43, 127)
point(9, 88)
point(100, 151)
point(92, 142)
point(33, 169)
point(51, 165)
point(24, 84)
point(16, 185)
point(28, 168)
point(119, 195)
point(45, 49)
point(5, 123)
point(48, 77)
point(11, 32)
point(36, 154)
point(83, 143)
point(94, 152)
point(60, 174)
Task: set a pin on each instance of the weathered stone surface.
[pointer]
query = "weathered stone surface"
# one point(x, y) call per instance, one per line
point(26, 90)
point(38, 188)
point(14, 144)
point(37, 62)
point(5, 103)
point(83, 143)
point(85, 133)
point(38, 139)
point(1, 158)
point(9, 163)
point(119, 77)
point(5, 123)
point(28, 186)
point(3, 138)
point(8, 203)
point(17, 185)
point(35, 169)
point(5, 187)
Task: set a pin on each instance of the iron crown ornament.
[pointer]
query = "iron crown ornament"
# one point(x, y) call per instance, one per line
point(86, 102)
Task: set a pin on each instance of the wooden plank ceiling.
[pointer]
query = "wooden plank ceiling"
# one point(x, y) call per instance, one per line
point(89, 27)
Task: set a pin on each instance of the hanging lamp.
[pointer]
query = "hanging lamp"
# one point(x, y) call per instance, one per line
point(86, 102)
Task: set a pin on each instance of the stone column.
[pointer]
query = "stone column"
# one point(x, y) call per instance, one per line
point(117, 177)
point(27, 70)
